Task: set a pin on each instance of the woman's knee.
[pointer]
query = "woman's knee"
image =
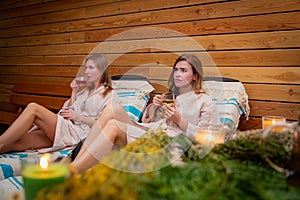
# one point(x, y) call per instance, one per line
point(33, 107)
point(111, 127)
point(113, 111)
point(116, 129)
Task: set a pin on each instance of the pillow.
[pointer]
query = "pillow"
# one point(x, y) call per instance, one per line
point(230, 112)
point(231, 100)
point(133, 102)
point(133, 93)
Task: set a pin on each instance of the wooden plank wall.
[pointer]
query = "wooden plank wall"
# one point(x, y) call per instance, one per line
point(254, 41)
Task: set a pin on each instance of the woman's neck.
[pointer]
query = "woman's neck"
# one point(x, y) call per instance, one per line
point(185, 89)
point(95, 85)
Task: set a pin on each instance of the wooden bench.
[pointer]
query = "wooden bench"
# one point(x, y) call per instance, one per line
point(51, 96)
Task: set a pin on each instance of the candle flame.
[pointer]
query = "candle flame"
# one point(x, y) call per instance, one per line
point(44, 160)
point(273, 121)
point(209, 136)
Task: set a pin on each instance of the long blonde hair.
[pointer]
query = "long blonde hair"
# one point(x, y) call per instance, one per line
point(102, 65)
point(197, 70)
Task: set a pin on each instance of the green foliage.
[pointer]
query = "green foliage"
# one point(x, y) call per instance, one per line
point(234, 170)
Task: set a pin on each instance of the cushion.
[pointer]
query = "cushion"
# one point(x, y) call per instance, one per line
point(133, 92)
point(230, 98)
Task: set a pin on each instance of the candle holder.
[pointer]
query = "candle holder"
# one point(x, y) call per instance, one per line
point(40, 172)
point(208, 138)
point(270, 120)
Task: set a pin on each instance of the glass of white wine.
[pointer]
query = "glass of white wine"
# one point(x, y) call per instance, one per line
point(168, 98)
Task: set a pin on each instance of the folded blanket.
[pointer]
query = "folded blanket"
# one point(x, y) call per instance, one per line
point(10, 164)
point(12, 188)
point(231, 100)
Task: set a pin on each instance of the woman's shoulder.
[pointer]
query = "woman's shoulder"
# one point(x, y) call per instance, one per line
point(201, 95)
point(204, 95)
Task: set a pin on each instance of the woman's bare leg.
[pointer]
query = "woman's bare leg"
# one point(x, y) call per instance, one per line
point(114, 133)
point(32, 140)
point(111, 111)
point(33, 114)
point(109, 130)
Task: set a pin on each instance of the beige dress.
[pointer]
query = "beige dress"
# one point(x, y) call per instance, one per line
point(197, 109)
point(69, 133)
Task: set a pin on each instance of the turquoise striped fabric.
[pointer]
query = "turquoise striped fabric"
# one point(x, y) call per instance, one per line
point(230, 111)
point(134, 103)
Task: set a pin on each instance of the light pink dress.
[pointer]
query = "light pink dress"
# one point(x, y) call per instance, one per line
point(197, 109)
point(69, 133)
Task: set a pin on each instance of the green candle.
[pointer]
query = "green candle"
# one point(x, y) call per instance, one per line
point(36, 177)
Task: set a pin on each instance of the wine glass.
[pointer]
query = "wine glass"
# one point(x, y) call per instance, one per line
point(168, 98)
point(81, 80)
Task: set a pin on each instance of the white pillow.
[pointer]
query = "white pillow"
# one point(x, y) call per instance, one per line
point(231, 100)
point(133, 96)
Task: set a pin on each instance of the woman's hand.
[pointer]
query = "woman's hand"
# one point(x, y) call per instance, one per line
point(171, 113)
point(75, 87)
point(157, 100)
point(69, 114)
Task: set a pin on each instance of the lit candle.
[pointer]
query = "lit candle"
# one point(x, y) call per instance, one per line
point(210, 137)
point(270, 120)
point(35, 176)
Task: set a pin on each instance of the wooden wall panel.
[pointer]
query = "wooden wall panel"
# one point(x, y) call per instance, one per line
point(212, 43)
point(41, 6)
point(268, 22)
point(254, 41)
point(9, 4)
point(86, 10)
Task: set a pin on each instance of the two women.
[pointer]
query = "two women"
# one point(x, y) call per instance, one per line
point(38, 127)
point(192, 109)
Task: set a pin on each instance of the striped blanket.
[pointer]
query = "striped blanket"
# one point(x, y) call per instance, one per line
point(231, 100)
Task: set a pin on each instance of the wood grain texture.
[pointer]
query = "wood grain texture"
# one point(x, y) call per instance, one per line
point(41, 7)
point(96, 9)
point(247, 41)
point(46, 89)
point(7, 117)
point(254, 41)
point(290, 111)
point(49, 102)
point(283, 93)
point(11, 4)
point(268, 22)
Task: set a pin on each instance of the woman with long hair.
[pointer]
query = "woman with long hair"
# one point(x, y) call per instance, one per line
point(37, 127)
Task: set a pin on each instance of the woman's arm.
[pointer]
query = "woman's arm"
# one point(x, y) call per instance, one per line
point(174, 115)
point(75, 88)
point(84, 119)
point(208, 116)
point(76, 117)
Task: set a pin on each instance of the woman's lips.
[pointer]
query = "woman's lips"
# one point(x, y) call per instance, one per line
point(177, 80)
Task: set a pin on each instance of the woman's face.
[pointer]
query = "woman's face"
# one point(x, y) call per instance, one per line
point(92, 72)
point(183, 75)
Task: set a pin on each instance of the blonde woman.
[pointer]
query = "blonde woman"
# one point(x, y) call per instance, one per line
point(38, 127)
